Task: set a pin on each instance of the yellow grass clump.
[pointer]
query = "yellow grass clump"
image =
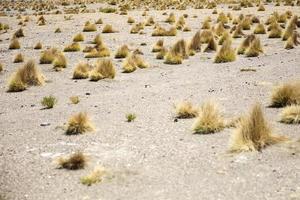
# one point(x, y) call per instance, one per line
point(49, 55)
point(290, 114)
point(18, 58)
point(254, 49)
point(171, 18)
point(95, 176)
point(275, 31)
point(226, 53)
point(211, 45)
point(78, 124)
point(245, 44)
point(38, 46)
point(226, 36)
point(122, 52)
point(286, 94)
point(209, 119)
point(259, 29)
point(160, 31)
point(14, 44)
point(161, 54)
point(28, 75)
point(261, 7)
point(253, 133)
point(89, 27)
point(103, 68)
point(73, 162)
point(78, 37)
point(132, 62)
point(185, 109)
point(158, 46)
point(75, 46)
point(195, 43)
point(108, 29)
point(59, 62)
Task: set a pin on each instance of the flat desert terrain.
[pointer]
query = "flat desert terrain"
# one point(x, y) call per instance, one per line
point(160, 154)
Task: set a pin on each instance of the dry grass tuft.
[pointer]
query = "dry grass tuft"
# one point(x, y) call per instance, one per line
point(259, 29)
point(74, 99)
point(19, 33)
point(103, 69)
point(38, 46)
point(28, 75)
point(75, 46)
point(158, 46)
point(73, 162)
point(79, 123)
point(209, 119)
point(254, 49)
point(132, 62)
point(226, 53)
point(108, 29)
point(59, 62)
point(49, 101)
point(286, 94)
point(122, 52)
point(253, 133)
point(160, 31)
point(290, 114)
point(275, 31)
point(89, 27)
point(49, 55)
point(211, 45)
point(195, 43)
point(19, 58)
point(185, 109)
point(81, 71)
point(95, 176)
point(78, 37)
point(245, 44)
point(14, 44)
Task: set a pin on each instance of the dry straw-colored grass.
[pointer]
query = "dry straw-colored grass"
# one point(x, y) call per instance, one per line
point(19, 58)
point(185, 109)
point(14, 44)
point(59, 62)
point(286, 94)
point(259, 29)
point(132, 62)
point(94, 176)
point(89, 27)
point(103, 68)
point(253, 133)
point(254, 49)
point(79, 123)
point(209, 119)
point(226, 53)
point(49, 55)
point(81, 71)
point(108, 29)
point(78, 37)
point(27, 75)
point(158, 46)
point(75, 46)
point(290, 114)
point(38, 46)
point(73, 162)
point(122, 52)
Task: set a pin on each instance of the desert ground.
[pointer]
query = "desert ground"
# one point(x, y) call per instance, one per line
point(157, 155)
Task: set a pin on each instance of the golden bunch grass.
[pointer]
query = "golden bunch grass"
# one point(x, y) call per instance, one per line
point(161, 54)
point(222, 18)
point(180, 48)
point(150, 21)
point(14, 44)
point(206, 25)
point(89, 27)
point(180, 23)
point(286, 94)
point(237, 33)
point(254, 49)
point(137, 28)
point(38, 46)
point(289, 30)
point(276, 31)
point(19, 33)
point(219, 30)
point(209, 119)
point(122, 52)
point(132, 62)
point(94, 53)
point(74, 99)
point(158, 46)
point(108, 29)
point(159, 31)
point(57, 30)
point(99, 21)
point(290, 114)
point(261, 7)
point(205, 36)
point(79, 123)
point(226, 36)
point(27, 75)
point(195, 43)
point(171, 18)
point(211, 45)
point(253, 133)
point(185, 109)
point(103, 68)
point(75, 46)
point(245, 44)
point(98, 40)
point(78, 37)
point(246, 23)
point(130, 20)
point(173, 58)
point(49, 55)
point(73, 162)
point(259, 29)
point(59, 62)
point(226, 53)
point(289, 44)
point(95, 176)
point(18, 58)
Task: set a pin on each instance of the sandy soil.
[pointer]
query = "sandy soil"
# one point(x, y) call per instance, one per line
point(153, 157)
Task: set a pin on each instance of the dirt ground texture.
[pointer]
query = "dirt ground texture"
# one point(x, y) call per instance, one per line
point(153, 157)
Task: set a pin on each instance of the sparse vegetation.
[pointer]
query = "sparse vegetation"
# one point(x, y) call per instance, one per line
point(74, 99)
point(73, 162)
point(79, 124)
point(253, 133)
point(185, 109)
point(130, 117)
point(226, 53)
point(103, 69)
point(81, 71)
point(286, 94)
point(290, 114)
point(49, 101)
point(94, 177)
